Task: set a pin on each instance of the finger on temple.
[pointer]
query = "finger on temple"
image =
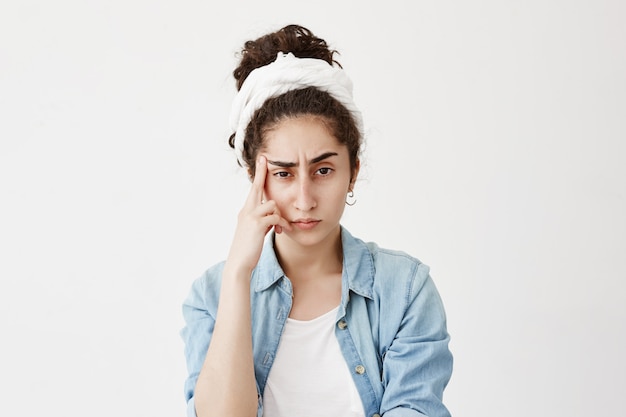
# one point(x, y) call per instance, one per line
point(258, 184)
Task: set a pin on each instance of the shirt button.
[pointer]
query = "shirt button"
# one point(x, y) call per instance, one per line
point(342, 324)
point(360, 369)
point(376, 415)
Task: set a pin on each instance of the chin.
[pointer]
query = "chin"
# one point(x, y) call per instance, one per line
point(311, 237)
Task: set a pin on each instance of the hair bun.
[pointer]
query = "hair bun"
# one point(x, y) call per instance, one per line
point(292, 38)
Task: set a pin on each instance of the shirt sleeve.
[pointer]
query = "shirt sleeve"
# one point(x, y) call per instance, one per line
point(199, 312)
point(196, 335)
point(418, 364)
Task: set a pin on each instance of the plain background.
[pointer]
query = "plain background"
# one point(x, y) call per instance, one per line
point(495, 153)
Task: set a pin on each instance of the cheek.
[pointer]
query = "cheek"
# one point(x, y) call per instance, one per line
point(337, 195)
point(274, 191)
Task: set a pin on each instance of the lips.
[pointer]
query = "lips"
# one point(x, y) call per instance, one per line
point(305, 224)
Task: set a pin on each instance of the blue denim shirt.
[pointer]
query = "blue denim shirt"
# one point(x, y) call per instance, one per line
point(391, 327)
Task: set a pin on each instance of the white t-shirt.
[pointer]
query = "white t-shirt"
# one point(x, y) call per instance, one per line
point(309, 376)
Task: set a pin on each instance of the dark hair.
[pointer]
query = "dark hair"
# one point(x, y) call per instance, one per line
point(307, 101)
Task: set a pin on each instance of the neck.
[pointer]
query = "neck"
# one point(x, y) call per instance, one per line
point(298, 261)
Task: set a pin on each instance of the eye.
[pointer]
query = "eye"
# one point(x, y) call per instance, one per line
point(282, 174)
point(324, 171)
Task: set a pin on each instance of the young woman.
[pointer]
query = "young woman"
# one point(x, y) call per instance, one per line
point(303, 319)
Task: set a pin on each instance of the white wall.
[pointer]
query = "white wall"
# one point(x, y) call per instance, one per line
point(496, 141)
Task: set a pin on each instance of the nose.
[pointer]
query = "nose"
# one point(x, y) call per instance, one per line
point(305, 198)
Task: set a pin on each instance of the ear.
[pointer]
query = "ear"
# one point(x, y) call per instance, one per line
point(355, 173)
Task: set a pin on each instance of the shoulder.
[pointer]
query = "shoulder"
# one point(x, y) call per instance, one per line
point(394, 274)
point(394, 265)
point(395, 257)
point(402, 287)
point(205, 288)
point(382, 269)
point(212, 275)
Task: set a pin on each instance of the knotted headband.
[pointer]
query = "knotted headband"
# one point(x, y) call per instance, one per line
point(288, 73)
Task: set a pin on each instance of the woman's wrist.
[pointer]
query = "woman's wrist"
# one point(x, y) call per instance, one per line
point(237, 271)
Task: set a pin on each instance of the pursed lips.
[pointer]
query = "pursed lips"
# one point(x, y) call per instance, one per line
point(305, 224)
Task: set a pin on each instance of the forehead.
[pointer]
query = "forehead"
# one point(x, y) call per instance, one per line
point(302, 135)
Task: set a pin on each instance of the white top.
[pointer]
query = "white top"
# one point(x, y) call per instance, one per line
point(309, 376)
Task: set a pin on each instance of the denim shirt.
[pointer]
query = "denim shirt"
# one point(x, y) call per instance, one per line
point(391, 327)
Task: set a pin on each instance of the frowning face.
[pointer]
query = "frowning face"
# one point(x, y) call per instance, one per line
point(308, 177)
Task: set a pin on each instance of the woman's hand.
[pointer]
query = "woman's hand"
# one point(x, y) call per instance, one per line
point(255, 219)
point(226, 384)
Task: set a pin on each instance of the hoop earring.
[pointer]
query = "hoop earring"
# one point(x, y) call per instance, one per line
point(351, 196)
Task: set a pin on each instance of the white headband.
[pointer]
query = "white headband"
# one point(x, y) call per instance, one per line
point(288, 73)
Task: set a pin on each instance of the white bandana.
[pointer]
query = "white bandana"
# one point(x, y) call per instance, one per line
point(287, 73)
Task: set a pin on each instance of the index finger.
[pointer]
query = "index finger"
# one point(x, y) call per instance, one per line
point(258, 183)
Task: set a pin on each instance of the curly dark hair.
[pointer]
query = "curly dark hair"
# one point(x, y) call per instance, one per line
point(307, 101)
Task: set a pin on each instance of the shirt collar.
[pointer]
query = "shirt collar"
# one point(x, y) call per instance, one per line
point(358, 266)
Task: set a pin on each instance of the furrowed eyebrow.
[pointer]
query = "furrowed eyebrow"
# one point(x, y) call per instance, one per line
point(322, 157)
point(295, 164)
point(282, 164)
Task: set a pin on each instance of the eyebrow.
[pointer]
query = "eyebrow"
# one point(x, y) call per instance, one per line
point(312, 161)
